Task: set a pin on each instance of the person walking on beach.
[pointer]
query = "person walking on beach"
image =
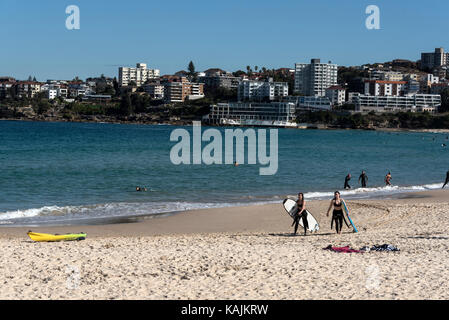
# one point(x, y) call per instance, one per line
point(388, 179)
point(447, 179)
point(347, 178)
point(337, 214)
point(301, 214)
point(363, 178)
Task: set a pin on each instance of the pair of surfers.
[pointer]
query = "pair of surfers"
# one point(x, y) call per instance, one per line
point(337, 214)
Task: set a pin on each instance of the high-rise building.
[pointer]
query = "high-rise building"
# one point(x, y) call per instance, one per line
point(139, 75)
point(438, 58)
point(313, 79)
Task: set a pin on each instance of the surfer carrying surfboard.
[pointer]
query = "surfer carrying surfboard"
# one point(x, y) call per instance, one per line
point(337, 214)
point(302, 213)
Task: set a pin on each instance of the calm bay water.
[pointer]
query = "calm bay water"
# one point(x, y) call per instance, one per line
point(62, 172)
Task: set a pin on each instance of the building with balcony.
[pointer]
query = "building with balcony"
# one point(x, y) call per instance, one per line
point(409, 103)
point(139, 75)
point(313, 79)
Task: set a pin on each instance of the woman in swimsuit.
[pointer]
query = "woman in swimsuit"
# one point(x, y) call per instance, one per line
point(337, 214)
point(302, 213)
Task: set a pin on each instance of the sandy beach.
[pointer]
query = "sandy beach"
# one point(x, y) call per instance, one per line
point(240, 253)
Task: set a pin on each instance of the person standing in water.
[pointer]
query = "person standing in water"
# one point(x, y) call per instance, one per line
point(388, 179)
point(447, 179)
point(347, 178)
point(363, 178)
point(301, 214)
point(337, 214)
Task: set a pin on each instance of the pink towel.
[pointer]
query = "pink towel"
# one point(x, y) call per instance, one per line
point(346, 249)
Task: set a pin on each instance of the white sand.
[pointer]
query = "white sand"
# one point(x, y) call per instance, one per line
point(253, 264)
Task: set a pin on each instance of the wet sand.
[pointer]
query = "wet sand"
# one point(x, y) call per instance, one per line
point(240, 253)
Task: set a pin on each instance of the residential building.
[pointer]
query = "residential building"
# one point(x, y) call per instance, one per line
point(52, 94)
point(27, 88)
point(427, 81)
point(384, 88)
point(139, 75)
point(155, 89)
point(409, 103)
point(178, 89)
point(336, 95)
point(412, 87)
point(262, 90)
point(313, 79)
point(386, 75)
point(6, 89)
point(220, 81)
point(352, 95)
point(434, 59)
point(76, 89)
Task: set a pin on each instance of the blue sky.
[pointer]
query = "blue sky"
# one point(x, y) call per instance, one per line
point(229, 34)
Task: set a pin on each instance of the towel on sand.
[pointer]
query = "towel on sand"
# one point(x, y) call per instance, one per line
point(384, 247)
point(346, 249)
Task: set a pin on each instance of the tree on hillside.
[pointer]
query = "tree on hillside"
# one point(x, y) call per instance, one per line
point(116, 86)
point(192, 73)
point(444, 101)
point(126, 107)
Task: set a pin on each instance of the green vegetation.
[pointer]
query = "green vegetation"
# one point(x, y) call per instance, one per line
point(405, 120)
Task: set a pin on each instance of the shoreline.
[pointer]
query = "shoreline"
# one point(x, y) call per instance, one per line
point(189, 123)
point(269, 217)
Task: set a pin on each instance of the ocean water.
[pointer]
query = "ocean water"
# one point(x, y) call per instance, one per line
point(63, 173)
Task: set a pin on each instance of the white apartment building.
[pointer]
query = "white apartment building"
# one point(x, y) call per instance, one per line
point(140, 74)
point(313, 79)
point(412, 103)
point(260, 90)
point(336, 95)
point(384, 88)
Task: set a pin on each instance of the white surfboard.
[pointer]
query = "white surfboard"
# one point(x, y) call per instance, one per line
point(292, 208)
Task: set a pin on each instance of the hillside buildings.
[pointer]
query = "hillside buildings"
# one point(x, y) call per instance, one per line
point(313, 79)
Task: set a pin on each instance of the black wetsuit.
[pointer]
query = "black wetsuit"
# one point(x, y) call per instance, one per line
point(303, 216)
point(338, 216)
point(364, 178)
point(347, 186)
point(447, 180)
